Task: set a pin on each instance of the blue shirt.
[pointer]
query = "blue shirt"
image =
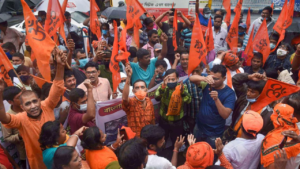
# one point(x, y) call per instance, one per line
point(48, 155)
point(139, 73)
point(209, 121)
point(192, 109)
point(204, 21)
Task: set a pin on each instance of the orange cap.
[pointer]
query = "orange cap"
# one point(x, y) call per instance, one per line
point(200, 155)
point(252, 121)
point(230, 59)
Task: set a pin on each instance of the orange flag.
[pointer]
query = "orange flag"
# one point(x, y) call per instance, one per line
point(55, 17)
point(261, 41)
point(272, 6)
point(248, 20)
point(37, 36)
point(209, 39)
point(226, 4)
point(134, 11)
point(114, 64)
point(94, 21)
point(64, 6)
point(281, 37)
point(233, 34)
point(249, 49)
point(290, 14)
point(238, 6)
point(5, 67)
point(124, 54)
point(273, 91)
point(278, 27)
point(136, 29)
point(198, 49)
point(39, 81)
point(175, 30)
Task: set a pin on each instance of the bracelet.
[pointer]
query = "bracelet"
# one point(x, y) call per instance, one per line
point(75, 135)
point(175, 151)
point(112, 147)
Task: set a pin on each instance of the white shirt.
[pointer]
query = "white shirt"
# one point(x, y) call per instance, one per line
point(256, 24)
point(220, 37)
point(72, 28)
point(243, 153)
point(111, 30)
point(156, 162)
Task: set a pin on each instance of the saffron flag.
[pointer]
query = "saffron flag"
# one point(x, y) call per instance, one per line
point(134, 11)
point(273, 91)
point(198, 49)
point(94, 21)
point(64, 6)
point(278, 27)
point(226, 4)
point(248, 20)
point(5, 67)
point(290, 14)
point(114, 64)
point(55, 17)
point(238, 6)
point(124, 54)
point(281, 37)
point(175, 30)
point(249, 49)
point(136, 29)
point(40, 81)
point(37, 36)
point(261, 41)
point(209, 39)
point(233, 34)
point(272, 6)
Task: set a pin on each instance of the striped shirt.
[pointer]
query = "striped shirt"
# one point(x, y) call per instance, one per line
point(186, 35)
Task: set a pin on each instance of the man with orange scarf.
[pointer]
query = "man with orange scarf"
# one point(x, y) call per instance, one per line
point(283, 121)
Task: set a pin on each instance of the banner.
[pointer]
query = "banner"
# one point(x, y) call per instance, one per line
point(110, 116)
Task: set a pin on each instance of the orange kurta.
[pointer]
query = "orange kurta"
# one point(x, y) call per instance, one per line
point(30, 128)
point(99, 159)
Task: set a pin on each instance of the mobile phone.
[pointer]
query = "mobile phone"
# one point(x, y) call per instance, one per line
point(283, 142)
point(123, 132)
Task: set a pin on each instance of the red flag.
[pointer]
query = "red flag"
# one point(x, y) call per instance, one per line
point(39, 41)
point(172, 5)
point(290, 14)
point(124, 54)
point(249, 49)
point(5, 67)
point(55, 17)
point(40, 81)
point(136, 29)
point(261, 41)
point(278, 27)
point(175, 30)
point(134, 11)
point(114, 64)
point(233, 34)
point(248, 20)
point(64, 6)
point(272, 6)
point(238, 6)
point(226, 4)
point(273, 91)
point(209, 40)
point(94, 21)
point(198, 49)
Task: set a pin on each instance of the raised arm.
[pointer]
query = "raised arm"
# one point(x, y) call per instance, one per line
point(86, 22)
point(177, 58)
point(91, 107)
point(197, 7)
point(4, 117)
point(158, 19)
point(197, 79)
point(186, 23)
point(74, 138)
point(164, 50)
point(71, 47)
point(125, 95)
point(152, 82)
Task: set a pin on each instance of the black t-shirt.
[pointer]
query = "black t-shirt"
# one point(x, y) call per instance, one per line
point(168, 29)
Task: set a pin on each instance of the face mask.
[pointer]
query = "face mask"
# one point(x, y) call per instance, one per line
point(207, 15)
point(251, 100)
point(104, 32)
point(39, 18)
point(16, 66)
point(163, 74)
point(272, 45)
point(172, 85)
point(24, 78)
point(241, 33)
point(83, 107)
point(239, 49)
point(8, 55)
point(83, 62)
point(103, 20)
point(140, 95)
point(281, 52)
point(121, 85)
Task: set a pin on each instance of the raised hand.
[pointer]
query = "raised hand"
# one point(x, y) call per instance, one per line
point(219, 147)
point(80, 131)
point(128, 70)
point(191, 139)
point(88, 84)
point(70, 44)
point(256, 77)
point(179, 142)
point(209, 79)
point(177, 56)
point(164, 37)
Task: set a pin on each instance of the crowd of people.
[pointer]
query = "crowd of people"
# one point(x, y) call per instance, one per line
point(206, 120)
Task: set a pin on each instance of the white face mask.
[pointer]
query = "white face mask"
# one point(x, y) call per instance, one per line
point(83, 107)
point(239, 49)
point(207, 15)
point(281, 52)
point(103, 20)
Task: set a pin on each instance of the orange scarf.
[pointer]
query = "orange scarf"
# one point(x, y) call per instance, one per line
point(229, 78)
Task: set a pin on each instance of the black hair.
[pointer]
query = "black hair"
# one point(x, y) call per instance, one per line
point(289, 48)
point(184, 53)
point(218, 16)
point(104, 24)
point(49, 134)
point(132, 51)
point(293, 101)
point(10, 46)
point(19, 55)
point(271, 73)
point(22, 68)
point(180, 50)
point(258, 56)
point(152, 134)
point(269, 9)
point(132, 154)
point(75, 94)
point(222, 12)
point(215, 167)
point(256, 85)
point(67, 14)
point(5, 23)
point(141, 53)
point(111, 41)
point(161, 62)
point(151, 32)
point(148, 21)
point(240, 41)
point(91, 138)
point(10, 93)
point(68, 73)
point(248, 133)
point(91, 64)
point(42, 13)
point(274, 36)
point(78, 51)
point(62, 157)
point(170, 71)
point(219, 69)
point(139, 80)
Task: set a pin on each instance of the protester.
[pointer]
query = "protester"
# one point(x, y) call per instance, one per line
point(219, 33)
point(6, 160)
point(68, 26)
point(121, 86)
point(98, 155)
point(8, 34)
point(281, 59)
point(186, 34)
point(70, 83)
point(42, 17)
point(104, 67)
point(139, 109)
point(203, 18)
point(182, 69)
point(37, 112)
point(26, 79)
point(256, 65)
point(66, 157)
point(222, 12)
point(80, 58)
point(148, 24)
point(105, 33)
point(158, 50)
point(153, 39)
point(160, 71)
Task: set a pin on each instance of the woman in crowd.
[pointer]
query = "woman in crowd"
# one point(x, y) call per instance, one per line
point(66, 157)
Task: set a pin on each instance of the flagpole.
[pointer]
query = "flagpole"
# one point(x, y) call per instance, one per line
point(67, 64)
